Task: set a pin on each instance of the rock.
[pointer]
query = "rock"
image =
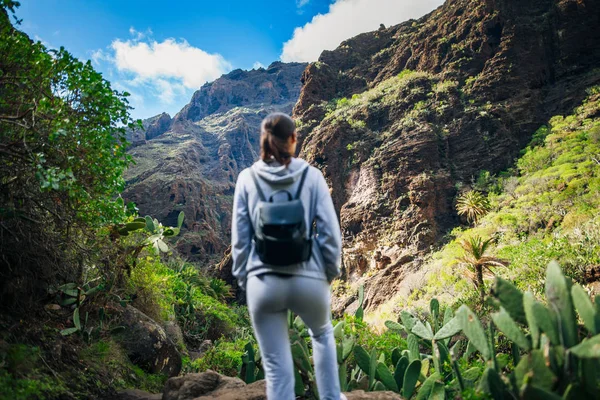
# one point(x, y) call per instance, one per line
point(192, 386)
point(486, 78)
point(147, 345)
point(211, 385)
point(362, 395)
point(191, 163)
point(174, 333)
point(134, 394)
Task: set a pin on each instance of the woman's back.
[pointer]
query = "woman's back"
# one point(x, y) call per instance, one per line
point(302, 287)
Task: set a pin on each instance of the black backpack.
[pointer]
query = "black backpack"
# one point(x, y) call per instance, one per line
point(280, 232)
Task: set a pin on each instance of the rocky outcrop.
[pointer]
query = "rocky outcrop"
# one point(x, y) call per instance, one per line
point(193, 165)
point(394, 144)
point(211, 385)
point(152, 127)
point(147, 345)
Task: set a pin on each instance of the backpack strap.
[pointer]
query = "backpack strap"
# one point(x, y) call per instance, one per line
point(258, 189)
point(301, 183)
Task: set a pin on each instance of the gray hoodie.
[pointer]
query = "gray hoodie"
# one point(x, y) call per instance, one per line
point(326, 250)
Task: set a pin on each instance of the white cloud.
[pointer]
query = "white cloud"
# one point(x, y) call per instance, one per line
point(301, 3)
point(258, 65)
point(168, 59)
point(161, 76)
point(346, 19)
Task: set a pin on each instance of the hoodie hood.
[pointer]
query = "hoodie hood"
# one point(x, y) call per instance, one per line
point(277, 174)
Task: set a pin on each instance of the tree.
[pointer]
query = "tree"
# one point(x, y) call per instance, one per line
point(62, 155)
point(477, 262)
point(473, 205)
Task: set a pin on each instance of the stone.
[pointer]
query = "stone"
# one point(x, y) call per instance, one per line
point(211, 385)
point(147, 345)
point(190, 163)
point(192, 386)
point(135, 394)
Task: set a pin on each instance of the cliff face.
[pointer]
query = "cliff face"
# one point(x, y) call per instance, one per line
point(398, 118)
point(190, 163)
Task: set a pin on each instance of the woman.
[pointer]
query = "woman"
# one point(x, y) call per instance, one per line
point(302, 287)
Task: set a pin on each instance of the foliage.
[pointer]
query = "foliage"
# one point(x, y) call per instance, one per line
point(545, 209)
point(224, 357)
point(477, 262)
point(473, 205)
point(62, 155)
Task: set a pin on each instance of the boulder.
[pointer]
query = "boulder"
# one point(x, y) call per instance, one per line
point(211, 385)
point(147, 345)
point(192, 386)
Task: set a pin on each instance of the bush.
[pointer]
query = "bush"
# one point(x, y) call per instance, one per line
point(62, 155)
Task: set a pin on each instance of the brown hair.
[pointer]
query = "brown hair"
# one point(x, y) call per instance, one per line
point(276, 130)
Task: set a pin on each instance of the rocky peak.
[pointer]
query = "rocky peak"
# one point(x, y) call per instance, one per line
point(396, 118)
point(277, 84)
point(152, 127)
point(191, 163)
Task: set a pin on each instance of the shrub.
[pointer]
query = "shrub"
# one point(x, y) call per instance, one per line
point(62, 129)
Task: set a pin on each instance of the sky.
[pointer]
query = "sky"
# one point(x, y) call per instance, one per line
point(162, 51)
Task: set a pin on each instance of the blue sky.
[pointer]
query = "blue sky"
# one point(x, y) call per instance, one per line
point(162, 51)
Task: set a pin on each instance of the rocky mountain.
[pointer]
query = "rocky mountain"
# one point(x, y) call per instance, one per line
point(190, 162)
point(400, 118)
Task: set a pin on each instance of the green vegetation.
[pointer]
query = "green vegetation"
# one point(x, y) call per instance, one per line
point(545, 209)
point(71, 245)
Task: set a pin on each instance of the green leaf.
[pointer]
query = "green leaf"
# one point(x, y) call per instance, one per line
point(162, 246)
point(438, 392)
point(180, 218)
point(528, 305)
point(585, 308)
point(301, 358)
point(533, 368)
point(411, 377)
point(396, 355)
point(450, 328)
point(427, 387)
point(510, 298)
point(338, 330)
point(413, 347)
point(505, 323)
point(362, 358)
point(394, 326)
point(134, 226)
point(589, 348)
point(558, 293)
point(150, 224)
point(299, 389)
point(68, 331)
point(76, 320)
point(400, 370)
point(379, 387)
point(408, 320)
point(532, 392)
point(472, 374)
point(385, 376)
point(359, 314)
point(372, 367)
point(422, 331)
point(473, 330)
point(434, 308)
point(492, 383)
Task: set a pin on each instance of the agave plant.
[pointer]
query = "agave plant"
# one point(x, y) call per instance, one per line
point(472, 205)
point(478, 262)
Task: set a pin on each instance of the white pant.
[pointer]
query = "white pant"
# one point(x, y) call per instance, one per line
point(269, 298)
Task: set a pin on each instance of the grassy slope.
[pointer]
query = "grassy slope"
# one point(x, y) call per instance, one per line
point(546, 208)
